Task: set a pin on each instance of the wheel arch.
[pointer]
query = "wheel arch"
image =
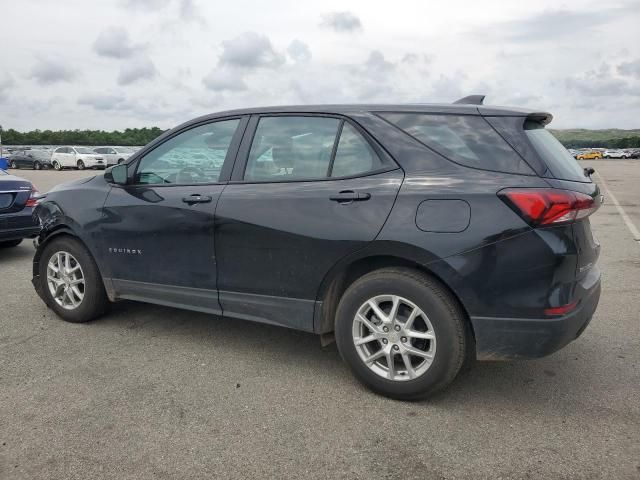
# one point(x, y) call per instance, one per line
point(349, 270)
point(57, 232)
point(43, 240)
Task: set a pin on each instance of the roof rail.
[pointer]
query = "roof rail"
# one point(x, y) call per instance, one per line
point(471, 100)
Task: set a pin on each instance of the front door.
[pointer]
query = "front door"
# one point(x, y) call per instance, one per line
point(158, 231)
point(306, 191)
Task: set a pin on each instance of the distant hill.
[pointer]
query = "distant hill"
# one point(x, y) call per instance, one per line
point(606, 138)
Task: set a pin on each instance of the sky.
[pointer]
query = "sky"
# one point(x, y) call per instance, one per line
point(115, 64)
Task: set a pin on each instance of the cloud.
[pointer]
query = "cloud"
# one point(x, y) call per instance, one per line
point(299, 51)
point(377, 63)
point(190, 12)
point(114, 42)
point(100, 101)
point(47, 72)
point(138, 68)
point(600, 83)
point(553, 24)
point(342, 22)
point(224, 79)
point(595, 87)
point(630, 69)
point(250, 50)
point(6, 82)
point(145, 4)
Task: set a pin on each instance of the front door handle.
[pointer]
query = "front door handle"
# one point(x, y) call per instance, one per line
point(348, 196)
point(196, 198)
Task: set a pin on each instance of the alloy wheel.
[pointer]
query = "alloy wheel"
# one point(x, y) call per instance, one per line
point(65, 279)
point(394, 337)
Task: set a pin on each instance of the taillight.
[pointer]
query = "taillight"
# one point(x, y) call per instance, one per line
point(547, 206)
point(33, 197)
point(560, 310)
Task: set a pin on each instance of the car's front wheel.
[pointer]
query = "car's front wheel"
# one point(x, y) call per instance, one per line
point(56, 166)
point(80, 165)
point(401, 333)
point(37, 166)
point(13, 164)
point(70, 282)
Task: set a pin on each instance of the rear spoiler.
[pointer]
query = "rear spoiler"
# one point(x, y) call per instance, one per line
point(543, 118)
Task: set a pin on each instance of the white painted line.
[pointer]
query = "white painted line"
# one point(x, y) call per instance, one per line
point(632, 228)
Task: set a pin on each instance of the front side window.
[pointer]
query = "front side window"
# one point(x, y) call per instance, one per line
point(194, 156)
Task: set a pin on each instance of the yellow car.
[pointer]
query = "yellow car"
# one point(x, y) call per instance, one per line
point(589, 155)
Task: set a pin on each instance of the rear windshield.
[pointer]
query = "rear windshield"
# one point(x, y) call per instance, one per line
point(560, 162)
point(465, 139)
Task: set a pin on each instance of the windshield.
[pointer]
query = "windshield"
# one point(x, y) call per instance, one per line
point(560, 162)
point(84, 150)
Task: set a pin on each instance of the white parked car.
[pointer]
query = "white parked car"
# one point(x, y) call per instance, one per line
point(76, 157)
point(114, 155)
point(615, 154)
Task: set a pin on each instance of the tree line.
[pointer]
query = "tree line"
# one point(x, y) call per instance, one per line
point(129, 136)
point(142, 136)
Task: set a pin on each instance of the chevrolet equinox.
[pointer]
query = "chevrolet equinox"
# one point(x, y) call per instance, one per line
point(418, 236)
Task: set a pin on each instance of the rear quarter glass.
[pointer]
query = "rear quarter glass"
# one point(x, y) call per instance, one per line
point(467, 140)
point(560, 162)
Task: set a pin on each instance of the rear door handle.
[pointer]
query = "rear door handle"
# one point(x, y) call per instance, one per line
point(196, 198)
point(348, 196)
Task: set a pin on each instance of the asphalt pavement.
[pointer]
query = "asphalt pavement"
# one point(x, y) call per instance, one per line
point(154, 392)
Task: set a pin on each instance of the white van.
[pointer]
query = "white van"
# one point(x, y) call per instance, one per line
point(114, 155)
point(76, 157)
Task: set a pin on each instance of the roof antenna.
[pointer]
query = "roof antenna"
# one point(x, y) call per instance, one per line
point(471, 100)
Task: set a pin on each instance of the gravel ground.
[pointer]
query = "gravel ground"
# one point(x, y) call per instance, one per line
point(153, 392)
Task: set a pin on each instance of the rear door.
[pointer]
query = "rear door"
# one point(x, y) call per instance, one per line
point(306, 191)
point(158, 231)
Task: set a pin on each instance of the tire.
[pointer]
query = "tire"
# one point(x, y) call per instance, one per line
point(56, 166)
point(80, 165)
point(94, 301)
point(10, 243)
point(444, 319)
point(37, 166)
point(14, 164)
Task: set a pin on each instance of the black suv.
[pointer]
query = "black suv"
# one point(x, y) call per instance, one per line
point(418, 235)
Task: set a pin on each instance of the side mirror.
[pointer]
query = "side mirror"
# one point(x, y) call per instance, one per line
point(116, 174)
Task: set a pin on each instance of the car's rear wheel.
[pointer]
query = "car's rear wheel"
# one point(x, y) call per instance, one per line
point(401, 333)
point(10, 243)
point(14, 164)
point(56, 166)
point(37, 166)
point(80, 165)
point(70, 282)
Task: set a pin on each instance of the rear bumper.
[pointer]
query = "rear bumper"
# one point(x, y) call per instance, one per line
point(513, 338)
point(19, 225)
point(15, 234)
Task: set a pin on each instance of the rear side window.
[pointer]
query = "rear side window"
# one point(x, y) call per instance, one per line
point(296, 148)
point(354, 155)
point(465, 139)
point(559, 161)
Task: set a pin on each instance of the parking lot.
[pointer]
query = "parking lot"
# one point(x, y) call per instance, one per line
point(153, 392)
